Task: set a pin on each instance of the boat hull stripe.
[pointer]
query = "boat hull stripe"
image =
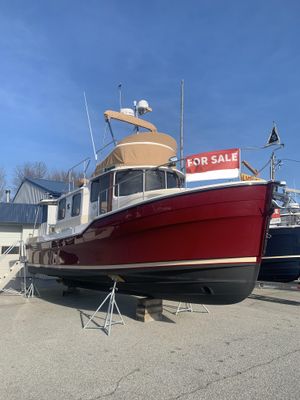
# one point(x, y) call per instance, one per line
point(187, 263)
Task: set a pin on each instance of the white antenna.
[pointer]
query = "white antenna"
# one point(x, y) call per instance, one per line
point(90, 127)
point(120, 95)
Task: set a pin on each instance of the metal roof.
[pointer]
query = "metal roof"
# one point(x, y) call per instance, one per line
point(13, 213)
point(56, 188)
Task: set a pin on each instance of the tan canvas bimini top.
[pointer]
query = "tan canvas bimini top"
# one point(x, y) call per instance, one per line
point(142, 148)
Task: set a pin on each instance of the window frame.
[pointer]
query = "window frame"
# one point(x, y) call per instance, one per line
point(179, 183)
point(74, 197)
point(61, 210)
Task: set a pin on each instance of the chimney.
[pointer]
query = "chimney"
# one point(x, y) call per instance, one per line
point(7, 193)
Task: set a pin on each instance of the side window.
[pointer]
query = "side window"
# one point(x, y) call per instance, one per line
point(61, 209)
point(76, 204)
point(95, 190)
point(155, 179)
point(173, 180)
point(129, 182)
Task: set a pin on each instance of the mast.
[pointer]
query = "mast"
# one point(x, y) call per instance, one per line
point(272, 166)
point(181, 124)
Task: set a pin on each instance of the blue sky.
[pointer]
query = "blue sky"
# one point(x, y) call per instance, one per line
point(240, 61)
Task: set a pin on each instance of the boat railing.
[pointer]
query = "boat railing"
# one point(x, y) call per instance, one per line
point(85, 163)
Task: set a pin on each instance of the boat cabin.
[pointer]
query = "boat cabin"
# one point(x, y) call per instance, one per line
point(136, 170)
point(113, 190)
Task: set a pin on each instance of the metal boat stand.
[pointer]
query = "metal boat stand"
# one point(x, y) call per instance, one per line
point(32, 291)
point(111, 298)
point(188, 308)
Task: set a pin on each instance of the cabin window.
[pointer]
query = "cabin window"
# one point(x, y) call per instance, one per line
point(61, 209)
point(173, 180)
point(154, 179)
point(76, 204)
point(129, 182)
point(95, 190)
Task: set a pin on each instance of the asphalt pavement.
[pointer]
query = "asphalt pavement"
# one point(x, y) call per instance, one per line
point(249, 350)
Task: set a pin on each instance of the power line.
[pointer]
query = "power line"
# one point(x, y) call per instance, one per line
point(289, 159)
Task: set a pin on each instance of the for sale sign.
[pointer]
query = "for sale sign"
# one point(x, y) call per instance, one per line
point(220, 164)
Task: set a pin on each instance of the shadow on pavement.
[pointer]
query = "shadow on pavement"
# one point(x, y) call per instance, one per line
point(274, 300)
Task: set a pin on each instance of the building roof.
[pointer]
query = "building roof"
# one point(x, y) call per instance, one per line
point(13, 213)
point(54, 188)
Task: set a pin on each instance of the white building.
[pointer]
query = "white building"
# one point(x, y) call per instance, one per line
point(19, 218)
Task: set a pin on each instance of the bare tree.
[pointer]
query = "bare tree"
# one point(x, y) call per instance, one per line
point(75, 177)
point(39, 169)
point(36, 169)
point(2, 183)
point(58, 175)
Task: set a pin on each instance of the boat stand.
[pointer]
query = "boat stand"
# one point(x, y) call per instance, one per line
point(111, 298)
point(188, 308)
point(29, 290)
point(32, 291)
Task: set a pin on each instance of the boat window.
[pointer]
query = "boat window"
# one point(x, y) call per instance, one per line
point(76, 204)
point(95, 190)
point(129, 182)
point(154, 179)
point(173, 180)
point(62, 209)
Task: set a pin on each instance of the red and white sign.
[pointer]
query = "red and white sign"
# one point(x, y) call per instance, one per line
point(220, 164)
point(275, 217)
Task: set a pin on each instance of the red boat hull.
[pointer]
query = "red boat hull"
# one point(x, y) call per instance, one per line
point(202, 246)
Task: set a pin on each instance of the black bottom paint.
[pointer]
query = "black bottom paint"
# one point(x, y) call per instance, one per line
point(205, 285)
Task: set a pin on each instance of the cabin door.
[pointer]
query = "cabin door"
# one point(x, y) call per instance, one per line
point(105, 195)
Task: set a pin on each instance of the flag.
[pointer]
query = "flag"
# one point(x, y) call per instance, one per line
point(274, 137)
point(220, 164)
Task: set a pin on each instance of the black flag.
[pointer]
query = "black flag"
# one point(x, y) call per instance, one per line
point(273, 138)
